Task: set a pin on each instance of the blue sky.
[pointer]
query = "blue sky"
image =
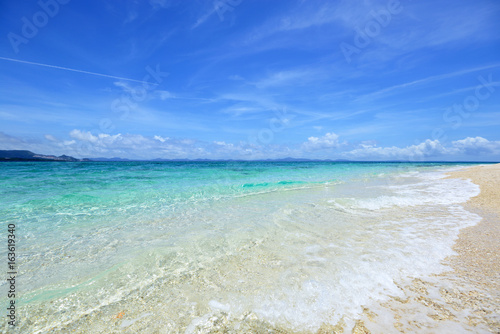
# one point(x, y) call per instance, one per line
point(251, 79)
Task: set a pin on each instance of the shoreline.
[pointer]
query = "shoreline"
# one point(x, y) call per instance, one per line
point(466, 297)
point(461, 296)
point(478, 246)
point(477, 262)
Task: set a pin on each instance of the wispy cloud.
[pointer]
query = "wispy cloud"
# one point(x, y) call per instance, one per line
point(71, 69)
point(395, 88)
point(270, 65)
point(160, 3)
point(202, 19)
point(296, 77)
point(301, 16)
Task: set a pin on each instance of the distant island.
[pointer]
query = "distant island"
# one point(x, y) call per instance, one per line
point(23, 155)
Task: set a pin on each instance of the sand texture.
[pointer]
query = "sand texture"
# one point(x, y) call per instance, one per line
point(465, 299)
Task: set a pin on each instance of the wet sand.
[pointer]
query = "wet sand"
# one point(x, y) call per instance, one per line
point(479, 246)
point(464, 299)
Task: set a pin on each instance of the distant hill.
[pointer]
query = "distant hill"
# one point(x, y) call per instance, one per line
point(219, 160)
point(109, 159)
point(22, 155)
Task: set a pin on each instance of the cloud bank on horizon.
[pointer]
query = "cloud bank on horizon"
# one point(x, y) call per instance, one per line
point(241, 79)
point(136, 146)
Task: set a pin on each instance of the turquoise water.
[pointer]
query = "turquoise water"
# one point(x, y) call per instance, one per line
point(171, 245)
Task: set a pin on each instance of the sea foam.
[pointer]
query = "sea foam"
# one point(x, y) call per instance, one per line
point(305, 247)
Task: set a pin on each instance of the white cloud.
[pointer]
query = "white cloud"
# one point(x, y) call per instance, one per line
point(84, 144)
point(81, 135)
point(134, 146)
point(160, 138)
point(476, 146)
point(104, 142)
point(329, 140)
point(428, 148)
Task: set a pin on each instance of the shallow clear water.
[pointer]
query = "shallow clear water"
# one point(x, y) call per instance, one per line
point(185, 246)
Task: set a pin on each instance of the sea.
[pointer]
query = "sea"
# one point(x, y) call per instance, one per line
point(229, 246)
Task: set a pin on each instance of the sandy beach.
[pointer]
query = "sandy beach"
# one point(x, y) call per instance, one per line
point(465, 299)
point(478, 247)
